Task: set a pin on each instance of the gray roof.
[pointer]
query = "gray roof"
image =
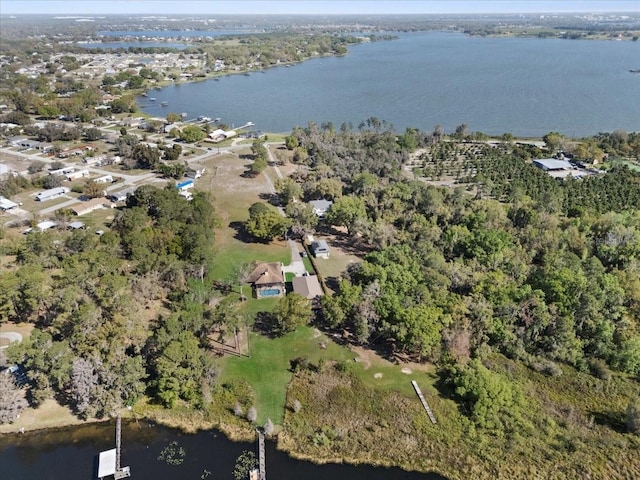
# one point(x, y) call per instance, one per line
point(321, 205)
point(320, 246)
point(6, 204)
point(552, 164)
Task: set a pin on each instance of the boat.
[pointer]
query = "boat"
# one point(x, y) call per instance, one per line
point(164, 103)
point(217, 119)
point(636, 70)
point(152, 99)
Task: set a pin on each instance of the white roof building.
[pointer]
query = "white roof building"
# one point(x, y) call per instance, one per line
point(51, 194)
point(547, 164)
point(105, 179)
point(321, 207)
point(6, 204)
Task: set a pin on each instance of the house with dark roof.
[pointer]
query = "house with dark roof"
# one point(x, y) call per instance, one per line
point(267, 280)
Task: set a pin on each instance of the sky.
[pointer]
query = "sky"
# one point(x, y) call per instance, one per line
point(218, 7)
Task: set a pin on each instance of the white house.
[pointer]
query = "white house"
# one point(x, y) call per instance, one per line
point(52, 193)
point(195, 173)
point(122, 195)
point(321, 207)
point(6, 204)
point(105, 179)
point(41, 227)
point(62, 171)
point(76, 175)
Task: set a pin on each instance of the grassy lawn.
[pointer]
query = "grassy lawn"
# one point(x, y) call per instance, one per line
point(631, 165)
point(233, 195)
point(337, 262)
point(267, 370)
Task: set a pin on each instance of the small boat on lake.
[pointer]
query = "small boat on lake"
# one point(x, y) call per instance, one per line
point(164, 103)
point(152, 99)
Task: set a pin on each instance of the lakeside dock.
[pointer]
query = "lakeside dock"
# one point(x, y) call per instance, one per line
point(423, 400)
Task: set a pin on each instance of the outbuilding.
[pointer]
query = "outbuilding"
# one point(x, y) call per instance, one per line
point(320, 249)
point(550, 164)
point(186, 185)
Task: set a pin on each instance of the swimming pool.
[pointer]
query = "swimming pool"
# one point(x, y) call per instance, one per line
point(270, 292)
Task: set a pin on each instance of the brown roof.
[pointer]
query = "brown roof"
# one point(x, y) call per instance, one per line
point(266, 273)
point(307, 286)
point(88, 206)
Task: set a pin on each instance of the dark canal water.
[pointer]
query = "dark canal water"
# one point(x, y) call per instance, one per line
point(70, 454)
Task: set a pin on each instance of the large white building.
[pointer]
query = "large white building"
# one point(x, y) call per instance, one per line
point(52, 193)
point(6, 204)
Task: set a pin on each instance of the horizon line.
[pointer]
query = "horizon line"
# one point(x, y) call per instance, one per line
point(78, 14)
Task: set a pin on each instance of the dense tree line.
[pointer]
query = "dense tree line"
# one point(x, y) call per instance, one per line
point(542, 270)
point(92, 346)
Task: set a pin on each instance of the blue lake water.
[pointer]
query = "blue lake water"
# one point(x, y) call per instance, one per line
point(527, 87)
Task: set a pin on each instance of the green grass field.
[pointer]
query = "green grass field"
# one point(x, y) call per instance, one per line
point(267, 370)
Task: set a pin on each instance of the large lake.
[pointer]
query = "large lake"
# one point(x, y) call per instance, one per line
point(70, 453)
point(527, 87)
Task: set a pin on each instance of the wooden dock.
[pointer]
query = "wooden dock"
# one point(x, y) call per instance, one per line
point(261, 457)
point(424, 401)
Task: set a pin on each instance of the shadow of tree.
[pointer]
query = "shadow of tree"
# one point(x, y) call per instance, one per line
point(241, 233)
point(265, 324)
point(612, 419)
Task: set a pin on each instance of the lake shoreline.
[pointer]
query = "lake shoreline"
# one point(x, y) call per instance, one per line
point(230, 433)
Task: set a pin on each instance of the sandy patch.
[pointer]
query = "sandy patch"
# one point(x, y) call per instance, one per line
point(49, 415)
